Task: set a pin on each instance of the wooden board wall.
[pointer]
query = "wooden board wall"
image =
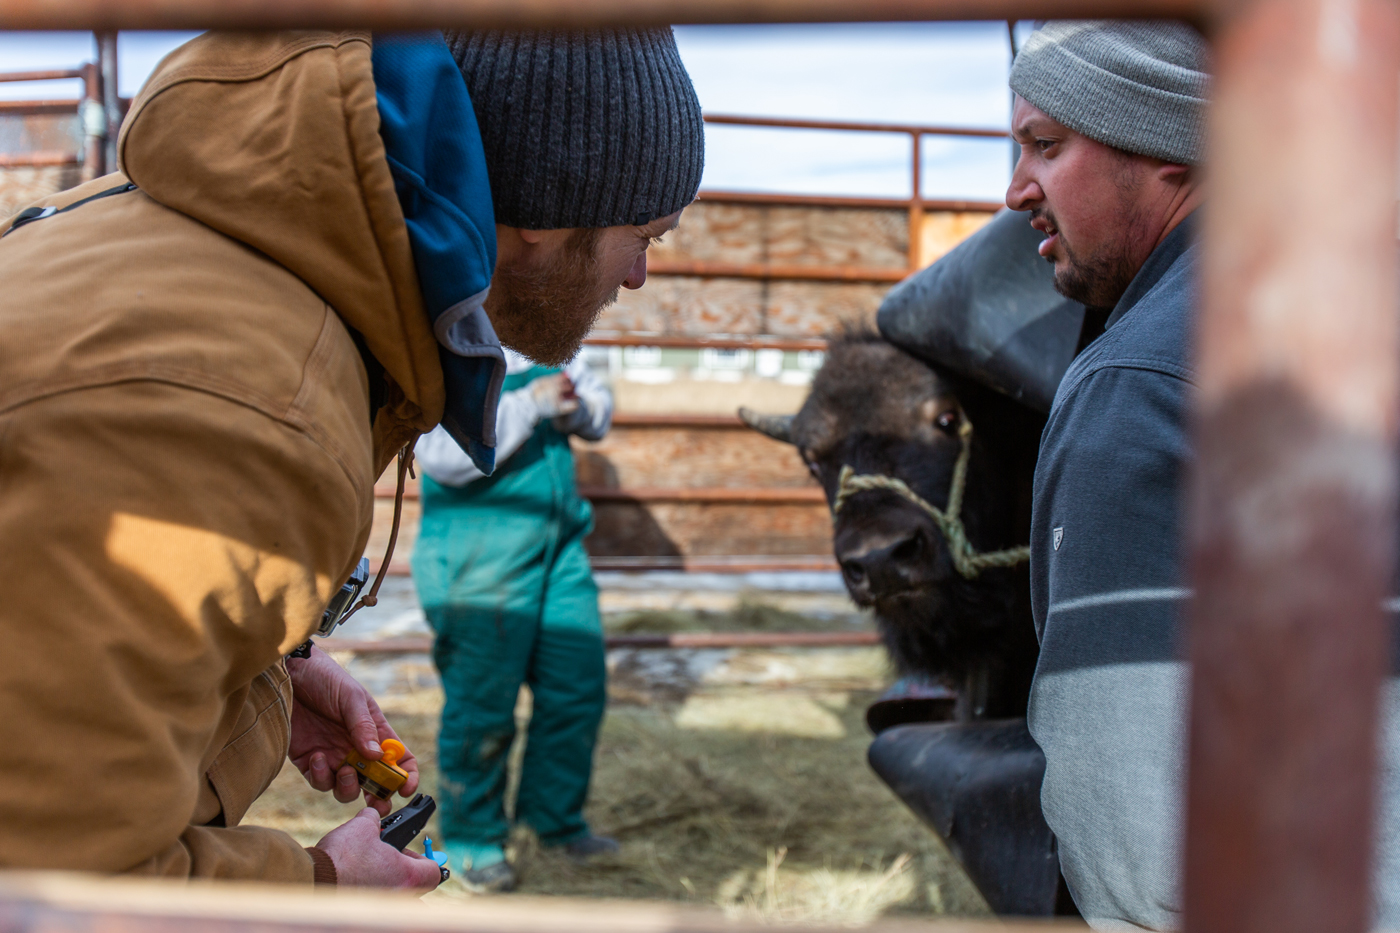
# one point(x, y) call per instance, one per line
point(653, 459)
point(942, 230)
point(631, 457)
point(704, 306)
point(819, 237)
point(680, 458)
point(693, 529)
point(748, 233)
point(660, 529)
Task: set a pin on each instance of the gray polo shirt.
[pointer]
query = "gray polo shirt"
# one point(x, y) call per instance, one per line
point(1108, 705)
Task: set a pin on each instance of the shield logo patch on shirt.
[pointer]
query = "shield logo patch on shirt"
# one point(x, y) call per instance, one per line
point(1056, 536)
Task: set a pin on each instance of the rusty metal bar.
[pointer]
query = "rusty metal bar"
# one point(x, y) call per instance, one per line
point(660, 640)
point(716, 495)
point(686, 342)
point(743, 640)
point(29, 108)
point(1292, 535)
point(57, 75)
point(720, 563)
point(852, 126)
point(814, 200)
point(111, 103)
point(702, 563)
point(628, 419)
point(39, 159)
point(526, 14)
point(916, 205)
point(37, 107)
point(93, 116)
point(769, 271)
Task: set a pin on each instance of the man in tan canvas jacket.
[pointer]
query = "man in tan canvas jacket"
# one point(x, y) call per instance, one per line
point(206, 368)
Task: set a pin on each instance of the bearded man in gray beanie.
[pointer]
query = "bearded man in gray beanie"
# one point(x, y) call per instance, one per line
point(1109, 119)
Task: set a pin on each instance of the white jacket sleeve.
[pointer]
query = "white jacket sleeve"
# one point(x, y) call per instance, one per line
point(447, 463)
point(593, 417)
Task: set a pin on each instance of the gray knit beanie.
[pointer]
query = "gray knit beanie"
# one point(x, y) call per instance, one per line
point(597, 128)
point(1136, 86)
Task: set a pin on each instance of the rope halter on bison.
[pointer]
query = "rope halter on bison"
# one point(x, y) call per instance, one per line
point(966, 560)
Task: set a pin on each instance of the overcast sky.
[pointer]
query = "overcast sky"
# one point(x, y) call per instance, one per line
point(940, 73)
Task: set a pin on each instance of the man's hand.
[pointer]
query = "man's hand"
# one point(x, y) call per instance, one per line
point(362, 860)
point(554, 395)
point(333, 715)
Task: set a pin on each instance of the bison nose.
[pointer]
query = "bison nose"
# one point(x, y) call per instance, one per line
point(881, 571)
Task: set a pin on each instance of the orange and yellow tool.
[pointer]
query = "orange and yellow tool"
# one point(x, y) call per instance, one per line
point(381, 778)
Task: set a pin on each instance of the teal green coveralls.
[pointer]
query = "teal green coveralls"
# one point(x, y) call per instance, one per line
point(505, 581)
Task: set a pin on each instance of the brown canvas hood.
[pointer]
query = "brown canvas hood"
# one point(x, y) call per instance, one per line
point(273, 139)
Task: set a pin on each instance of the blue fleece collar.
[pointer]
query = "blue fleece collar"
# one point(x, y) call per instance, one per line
point(434, 151)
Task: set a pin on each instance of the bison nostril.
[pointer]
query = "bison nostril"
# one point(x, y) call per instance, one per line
point(883, 571)
point(854, 572)
point(908, 550)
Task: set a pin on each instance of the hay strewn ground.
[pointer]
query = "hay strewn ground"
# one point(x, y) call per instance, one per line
point(748, 614)
point(730, 778)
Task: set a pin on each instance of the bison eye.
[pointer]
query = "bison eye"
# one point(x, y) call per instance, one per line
point(948, 422)
point(814, 470)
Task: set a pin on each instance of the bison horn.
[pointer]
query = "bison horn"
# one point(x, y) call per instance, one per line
point(778, 427)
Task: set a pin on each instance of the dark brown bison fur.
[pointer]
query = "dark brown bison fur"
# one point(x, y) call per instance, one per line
point(879, 410)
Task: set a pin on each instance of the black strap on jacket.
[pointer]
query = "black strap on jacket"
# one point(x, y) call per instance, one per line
point(378, 387)
point(31, 214)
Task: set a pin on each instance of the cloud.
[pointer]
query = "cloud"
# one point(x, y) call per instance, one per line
point(951, 74)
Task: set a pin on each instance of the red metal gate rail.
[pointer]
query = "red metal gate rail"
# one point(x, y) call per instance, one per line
point(659, 640)
point(94, 157)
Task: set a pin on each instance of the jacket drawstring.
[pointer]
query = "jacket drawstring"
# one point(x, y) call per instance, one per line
point(405, 470)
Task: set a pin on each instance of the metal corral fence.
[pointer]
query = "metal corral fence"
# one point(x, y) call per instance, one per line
point(1292, 530)
point(916, 205)
point(99, 111)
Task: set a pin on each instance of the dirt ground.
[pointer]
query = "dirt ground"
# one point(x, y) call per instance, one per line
point(731, 778)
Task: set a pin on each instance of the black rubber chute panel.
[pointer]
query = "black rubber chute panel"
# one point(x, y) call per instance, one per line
point(989, 311)
point(977, 785)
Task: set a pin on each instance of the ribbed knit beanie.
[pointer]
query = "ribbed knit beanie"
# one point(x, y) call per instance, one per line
point(596, 128)
point(1136, 86)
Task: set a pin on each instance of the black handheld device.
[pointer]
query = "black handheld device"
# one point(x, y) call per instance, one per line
point(399, 828)
point(403, 825)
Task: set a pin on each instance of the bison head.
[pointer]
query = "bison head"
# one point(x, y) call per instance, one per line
point(878, 410)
